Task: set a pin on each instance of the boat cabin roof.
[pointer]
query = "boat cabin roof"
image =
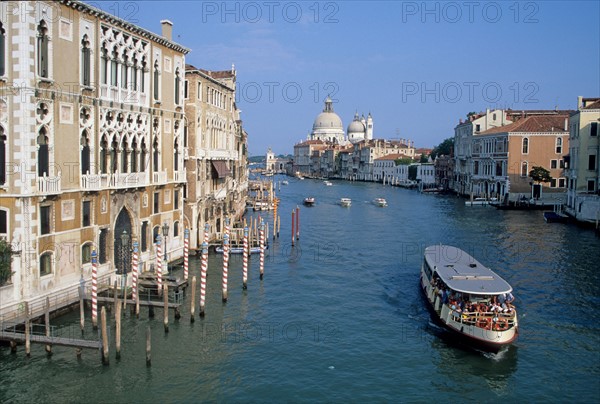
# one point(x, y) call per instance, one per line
point(463, 273)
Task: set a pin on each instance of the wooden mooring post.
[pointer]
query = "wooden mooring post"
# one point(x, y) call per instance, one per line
point(27, 331)
point(81, 311)
point(148, 346)
point(105, 359)
point(115, 296)
point(47, 324)
point(166, 303)
point(118, 331)
point(193, 301)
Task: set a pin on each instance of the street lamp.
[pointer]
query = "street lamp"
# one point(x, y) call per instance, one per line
point(165, 230)
point(125, 259)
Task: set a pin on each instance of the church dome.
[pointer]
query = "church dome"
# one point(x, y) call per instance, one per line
point(356, 126)
point(328, 119)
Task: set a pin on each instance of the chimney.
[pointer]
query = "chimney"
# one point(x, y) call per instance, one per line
point(579, 102)
point(566, 124)
point(167, 29)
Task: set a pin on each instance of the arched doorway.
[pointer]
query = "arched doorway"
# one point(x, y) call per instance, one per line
point(121, 252)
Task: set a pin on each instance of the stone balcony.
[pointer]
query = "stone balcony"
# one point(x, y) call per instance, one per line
point(48, 185)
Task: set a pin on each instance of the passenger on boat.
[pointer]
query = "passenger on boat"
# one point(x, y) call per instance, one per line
point(505, 301)
point(494, 305)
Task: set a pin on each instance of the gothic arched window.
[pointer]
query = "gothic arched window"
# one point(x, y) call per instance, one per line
point(42, 49)
point(86, 67)
point(43, 158)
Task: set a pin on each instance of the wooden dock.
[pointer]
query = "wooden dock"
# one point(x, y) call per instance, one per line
point(153, 303)
point(42, 339)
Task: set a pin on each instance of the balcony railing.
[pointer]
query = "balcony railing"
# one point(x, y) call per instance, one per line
point(179, 176)
point(48, 185)
point(93, 182)
point(128, 180)
point(97, 182)
point(159, 178)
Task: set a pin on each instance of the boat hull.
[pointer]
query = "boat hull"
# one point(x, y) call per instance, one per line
point(470, 335)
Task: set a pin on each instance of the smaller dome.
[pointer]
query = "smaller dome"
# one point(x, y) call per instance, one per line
point(356, 126)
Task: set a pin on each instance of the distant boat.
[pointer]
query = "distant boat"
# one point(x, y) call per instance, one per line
point(346, 202)
point(284, 182)
point(380, 202)
point(328, 183)
point(309, 201)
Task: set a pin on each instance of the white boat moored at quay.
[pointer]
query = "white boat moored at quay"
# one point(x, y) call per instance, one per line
point(468, 298)
point(480, 201)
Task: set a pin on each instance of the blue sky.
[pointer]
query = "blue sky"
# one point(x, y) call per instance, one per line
point(417, 67)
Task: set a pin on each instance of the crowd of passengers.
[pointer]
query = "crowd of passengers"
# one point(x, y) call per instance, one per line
point(461, 303)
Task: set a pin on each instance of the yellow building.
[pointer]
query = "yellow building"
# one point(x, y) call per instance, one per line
point(217, 182)
point(91, 142)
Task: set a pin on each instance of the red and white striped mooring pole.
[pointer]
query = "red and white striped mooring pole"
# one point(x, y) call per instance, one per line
point(245, 260)
point(262, 249)
point(186, 253)
point(159, 265)
point(203, 268)
point(94, 289)
point(225, 263)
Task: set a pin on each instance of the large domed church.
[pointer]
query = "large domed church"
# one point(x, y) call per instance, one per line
point(328, 127)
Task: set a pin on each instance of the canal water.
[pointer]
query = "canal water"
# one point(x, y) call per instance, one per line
point(340, 318)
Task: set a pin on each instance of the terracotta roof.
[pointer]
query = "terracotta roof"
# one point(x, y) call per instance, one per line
point(219, 74)
point(423, 150)
point(532, 124)
point(310, 142)
point(392, 157)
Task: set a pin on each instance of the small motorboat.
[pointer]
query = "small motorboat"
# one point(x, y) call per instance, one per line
point(328, 183)
point(284, 182)
point(309, 201)
point(346, 202)
point(380, 202)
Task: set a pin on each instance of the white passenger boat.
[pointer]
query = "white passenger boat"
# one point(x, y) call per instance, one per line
point(328, 183)
point(380, 202)
point(468, 298)
point(346, 202)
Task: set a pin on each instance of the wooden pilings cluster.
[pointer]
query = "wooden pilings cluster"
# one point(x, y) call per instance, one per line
point(118, 302)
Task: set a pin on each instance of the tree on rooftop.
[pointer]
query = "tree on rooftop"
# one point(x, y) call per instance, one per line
point(403, 161)
point(445, 148)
